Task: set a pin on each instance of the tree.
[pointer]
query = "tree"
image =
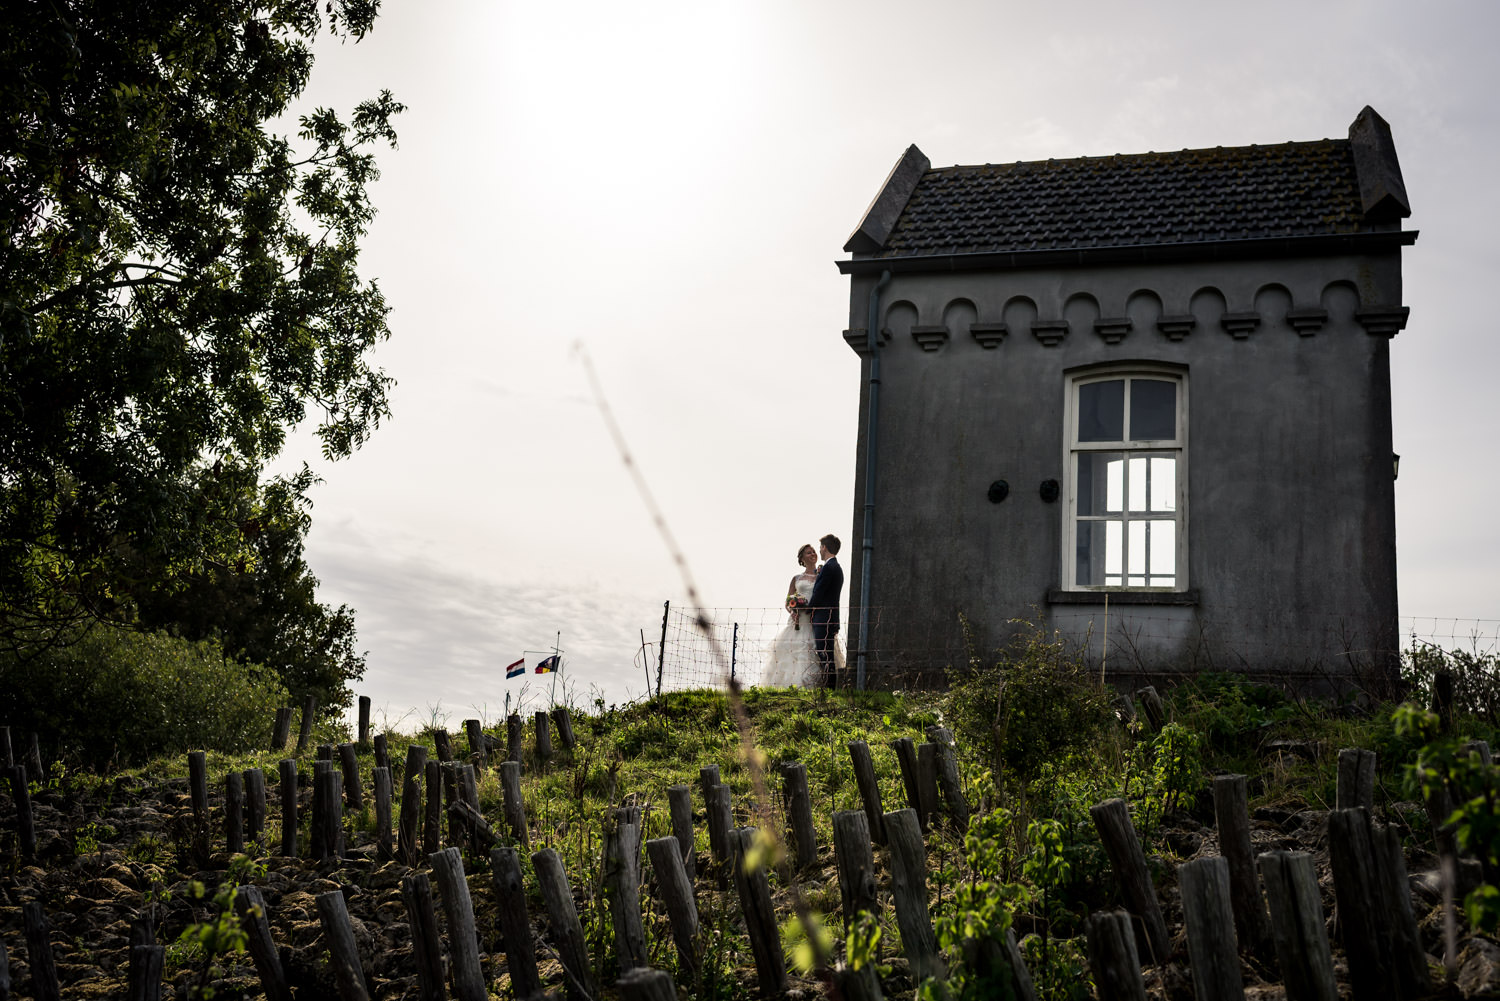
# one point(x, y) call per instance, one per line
point(263, 607)
point(178, 283)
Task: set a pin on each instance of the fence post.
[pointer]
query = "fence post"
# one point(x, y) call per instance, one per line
point(443, 744)
point(255, 803)
point(1356, 783)
point(514, 737)
point(515, 808)
point(348, 975)
point(234, 813)
point(720, 823)
point(463, 944)
point(856, 863)
point(25, 822)
point(661, 650)
point(1232, 814)
point(927, 784)
point(909, 893)
point(562, 915)
point(645, 984)
point(622, 883)
point(564, 721)
point(288, 770)
point(1297, 926)
point(760, 915)
point(251, 907)
point(1357, 891)
point(734, 646)
point(364, 722)
point(515, 925)
point(432, 813)
point(383, 814)
point(543, 738)
point(282, 731)
point(411, 803)
point(1112, 819)
point(680, 805)
point(869, 789)
point(353, 790)
point(906, 757)
point(427, 950)
point(1206, 910)
point(474, 731)
point(382, 751)
point(677, 896)
point(39, 951)
point(1112, 957)
point(799, 812)
point(309, 713)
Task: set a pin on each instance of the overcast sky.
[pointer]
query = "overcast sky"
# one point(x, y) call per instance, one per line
point(668, 184)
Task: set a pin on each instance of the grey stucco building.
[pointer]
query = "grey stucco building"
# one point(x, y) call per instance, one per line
point(1143, 399)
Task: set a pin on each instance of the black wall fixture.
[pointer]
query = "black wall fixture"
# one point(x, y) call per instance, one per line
point(1049, 491)
point(999, 490)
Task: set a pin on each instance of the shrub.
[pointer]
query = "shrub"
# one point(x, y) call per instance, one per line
point(127, 695)
point(1037, 703)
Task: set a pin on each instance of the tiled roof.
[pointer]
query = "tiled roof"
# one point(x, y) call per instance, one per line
point(1190, 196)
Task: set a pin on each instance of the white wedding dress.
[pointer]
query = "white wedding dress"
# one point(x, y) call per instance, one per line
point(791, 660)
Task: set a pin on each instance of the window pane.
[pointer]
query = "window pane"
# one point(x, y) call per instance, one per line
point(1101, 411)
point(1100, 482)
point(1137, 484)
point(1089, 554)
point(1163, 547)
point(1153, 409)
point(1136, 552)
point(1163, 483)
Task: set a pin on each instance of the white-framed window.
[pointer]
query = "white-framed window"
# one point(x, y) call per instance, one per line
point(1127, 479)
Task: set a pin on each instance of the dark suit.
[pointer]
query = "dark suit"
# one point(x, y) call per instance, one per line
point(823, 605)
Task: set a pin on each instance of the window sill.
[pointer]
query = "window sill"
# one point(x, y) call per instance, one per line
point(1057, 596)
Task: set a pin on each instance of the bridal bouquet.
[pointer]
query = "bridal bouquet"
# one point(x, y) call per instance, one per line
point(795, 601)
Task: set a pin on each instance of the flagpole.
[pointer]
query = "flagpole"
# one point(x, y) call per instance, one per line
point(557, 652)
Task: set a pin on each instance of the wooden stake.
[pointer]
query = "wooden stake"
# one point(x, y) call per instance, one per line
point(1112, 819)
point(383, 753)
point(1206, 910)
point(1356, 783)
point(1232, 813)
point(463, 942)
point(479, 748)
point(39, 951)
point(622, 885)
point(515, 926)
point(567, 933)
point(282, 731)
point(543, 738)
point(354, 792)
point(927, 784)
point(143, 978)
point(1357, 889)
point(1112, 957)
point(432, 815)
point(444, 745)
point(869, 789)
point(720, 823)
point(255, 919)
point(680, 803)
point(948, 780)
point(309, 713)
point(677, 896)
point(799, 813)
point(364, 721)
point(1297, 926)
point(411, 804)
point(646, 984)
point(338, 933)
point(255, 803)
point(908, 869)
point(513, 737)
point(754, 891)
point(234, 813)
point(288, 769)
point(906, 757)
point(383, 847)
point(564, 722)
point(514, 805)
point(25, 821)
point(427, 950)
point(856, 863)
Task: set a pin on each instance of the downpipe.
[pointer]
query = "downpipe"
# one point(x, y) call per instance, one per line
point(872, 426)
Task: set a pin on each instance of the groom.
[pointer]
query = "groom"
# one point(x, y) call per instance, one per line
point(824, 607)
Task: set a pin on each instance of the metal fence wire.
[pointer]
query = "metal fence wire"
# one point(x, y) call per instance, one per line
point(704, 647)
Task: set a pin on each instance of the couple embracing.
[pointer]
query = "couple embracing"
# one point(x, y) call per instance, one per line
point(806, 653)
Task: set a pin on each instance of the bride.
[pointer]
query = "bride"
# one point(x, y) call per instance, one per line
point(791, 659)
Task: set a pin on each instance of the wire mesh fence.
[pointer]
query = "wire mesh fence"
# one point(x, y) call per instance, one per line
point(705, 647)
